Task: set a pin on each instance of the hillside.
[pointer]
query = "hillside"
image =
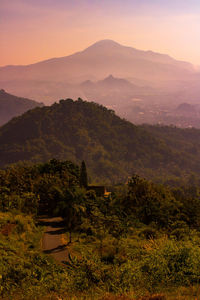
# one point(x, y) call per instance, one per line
point(143, 237)
point(141, 240)
point(12, 106)
point(112, 147)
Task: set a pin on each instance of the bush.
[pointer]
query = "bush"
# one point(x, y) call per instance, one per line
point(166, 262)
point(149, 233)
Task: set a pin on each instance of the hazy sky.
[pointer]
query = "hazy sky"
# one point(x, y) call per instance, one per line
point(34, 30)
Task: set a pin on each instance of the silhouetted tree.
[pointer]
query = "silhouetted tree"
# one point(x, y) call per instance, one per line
point(83, 175)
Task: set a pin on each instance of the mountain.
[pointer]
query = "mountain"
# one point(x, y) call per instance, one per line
point(186, 108)
point(12, 106)
point(113, 82)
point(112, 147)
point(118, 94)
point(51, 78)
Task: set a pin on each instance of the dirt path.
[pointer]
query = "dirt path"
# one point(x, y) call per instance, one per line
point(54, 241)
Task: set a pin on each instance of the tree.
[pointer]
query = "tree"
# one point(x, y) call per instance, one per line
point(83, 175)
point(71, 209)
point(151, 203)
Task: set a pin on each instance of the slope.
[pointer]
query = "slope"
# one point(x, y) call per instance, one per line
point(11, 106)
point(112, 147)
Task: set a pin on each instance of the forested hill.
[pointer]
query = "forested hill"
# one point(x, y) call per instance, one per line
point(112, 148)
point(11, 106)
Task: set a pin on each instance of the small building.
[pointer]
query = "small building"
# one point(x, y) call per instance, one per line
point(99, 190)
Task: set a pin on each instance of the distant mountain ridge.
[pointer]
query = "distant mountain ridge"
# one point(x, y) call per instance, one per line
point(115, 93)
point(12, 106)
point(101, 59)
point(186, 108)
point(113, 83)
point(52, 79)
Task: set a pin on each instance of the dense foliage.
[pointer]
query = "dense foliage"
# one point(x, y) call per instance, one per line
point(27, 187)
point(112, 148)
point(143, 238)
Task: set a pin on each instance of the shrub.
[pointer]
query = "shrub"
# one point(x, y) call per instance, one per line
point(148, 233)
point(166, 262)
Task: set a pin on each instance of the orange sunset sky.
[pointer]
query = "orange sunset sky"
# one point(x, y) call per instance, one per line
point(34, 30)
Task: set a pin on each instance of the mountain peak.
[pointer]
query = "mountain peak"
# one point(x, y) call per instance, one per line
point(110, 77)
point(105, 44)
point(111, 80)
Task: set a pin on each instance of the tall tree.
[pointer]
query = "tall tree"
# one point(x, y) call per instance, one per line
point(83, 175)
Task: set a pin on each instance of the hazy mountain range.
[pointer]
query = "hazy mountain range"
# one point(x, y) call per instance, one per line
point(98, 61)
point(142, 86)
point(52, 78)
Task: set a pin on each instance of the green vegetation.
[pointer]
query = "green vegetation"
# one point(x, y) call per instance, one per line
point(112, 148)
point(141, 240)
point(25, 273)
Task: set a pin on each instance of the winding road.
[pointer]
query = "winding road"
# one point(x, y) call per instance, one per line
point(54, 238)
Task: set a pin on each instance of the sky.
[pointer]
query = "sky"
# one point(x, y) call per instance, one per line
point(35, 30)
